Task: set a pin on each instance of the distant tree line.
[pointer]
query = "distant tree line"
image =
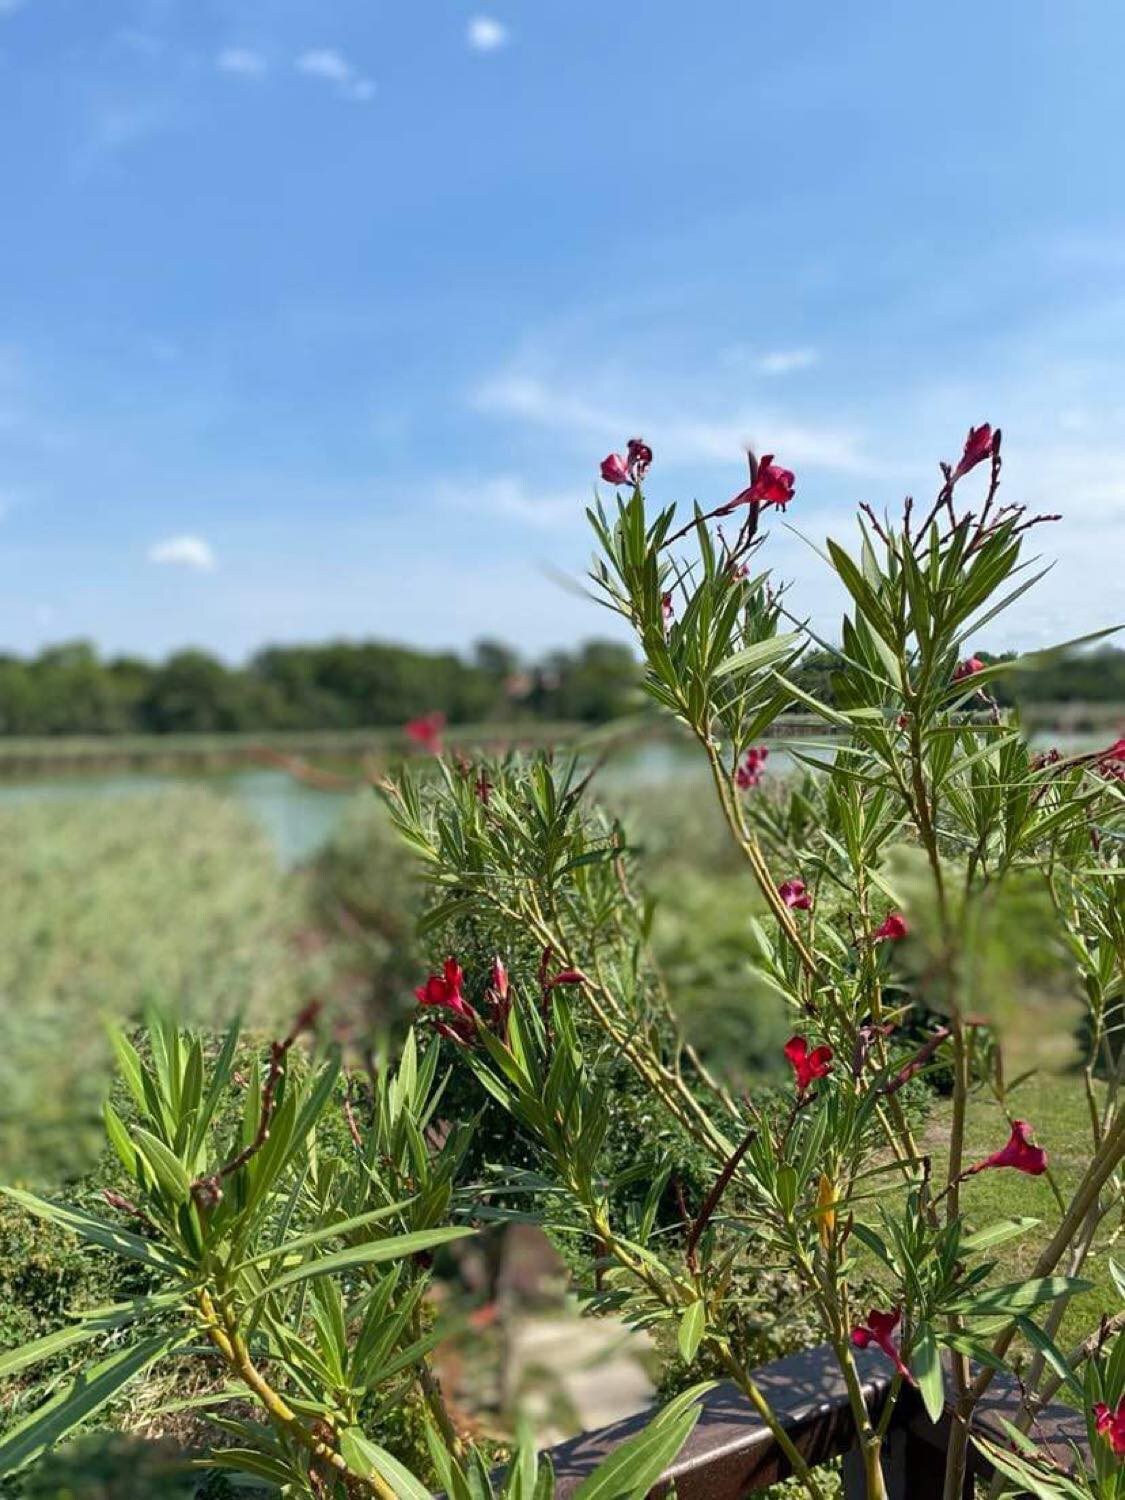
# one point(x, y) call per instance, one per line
point(71, 689)
point(1096, 676)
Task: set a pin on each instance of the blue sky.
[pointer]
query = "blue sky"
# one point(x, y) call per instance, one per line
point(316, 316)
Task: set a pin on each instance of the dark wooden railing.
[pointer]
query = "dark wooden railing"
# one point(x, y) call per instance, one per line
point(732, 1453)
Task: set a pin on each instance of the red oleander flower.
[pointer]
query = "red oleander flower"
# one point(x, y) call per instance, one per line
point(893, 927)
point(772, 485)
point(968, 668)
point(426, 731)
point(1111, 1425)
point(1020, 1153)
point(795, 896)
point(879, 1330)
point(807, 1066)
point(444, 989)
point(749, 773)
point(978, 447)
point(638, 456)
point(443, 992)
point(1116, 751)
point(615, 469)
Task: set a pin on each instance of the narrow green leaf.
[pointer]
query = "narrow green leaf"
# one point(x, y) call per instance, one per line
point(167, 1168)
point(634, 1467)
point(92, 1323)
point(326, 1232)
point(98, 1232)
point(1017, 1296)
point(996, 1234)
point(396, 1247)
point(50, 1423)
point(693, 1325)
point(925, 1363)
point(760, 654)
point(130, 1065)
point(366, 1458)
point(250, 1461)
point(1039, 1339)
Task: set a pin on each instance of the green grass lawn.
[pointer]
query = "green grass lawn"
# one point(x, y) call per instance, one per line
point(1056, 1108)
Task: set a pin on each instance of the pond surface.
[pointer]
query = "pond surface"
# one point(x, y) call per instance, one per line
point(297, 818)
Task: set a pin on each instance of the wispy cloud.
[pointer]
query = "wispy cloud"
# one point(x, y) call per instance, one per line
point(142, 43)
point(486, 34)
point(666, 418)
point(183, 552)
point(117, 127)
point(333, 67)
point(757, 361)
point(244, 61)
point(511, 498)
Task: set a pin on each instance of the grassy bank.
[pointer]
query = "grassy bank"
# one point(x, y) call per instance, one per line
point(1055, 1105)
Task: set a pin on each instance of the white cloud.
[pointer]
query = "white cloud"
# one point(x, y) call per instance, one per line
point(333, 67)
point(325, 62)
point(486, 34)
point(184, 552)
point(243, 61)
point(785, 361)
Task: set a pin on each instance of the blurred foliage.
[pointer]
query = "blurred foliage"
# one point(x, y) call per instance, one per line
point(70, 689)
point(364, 899)
point(701, 935)
point(116, 1466)
point(104, 905)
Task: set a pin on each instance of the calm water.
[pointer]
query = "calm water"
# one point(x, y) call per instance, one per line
point(299, 819)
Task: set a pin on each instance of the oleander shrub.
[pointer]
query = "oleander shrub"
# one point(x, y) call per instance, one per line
point(924, 898)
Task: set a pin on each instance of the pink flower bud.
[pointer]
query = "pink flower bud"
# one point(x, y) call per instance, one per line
point(795, 896)
point(978, 446)
point(749, 773)
point(638, 456)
